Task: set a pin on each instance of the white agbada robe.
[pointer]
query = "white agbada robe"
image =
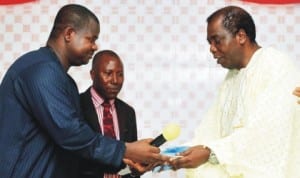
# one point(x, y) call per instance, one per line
point(252, 126)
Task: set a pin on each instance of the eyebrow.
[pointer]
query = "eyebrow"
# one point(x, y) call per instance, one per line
point(211, 37)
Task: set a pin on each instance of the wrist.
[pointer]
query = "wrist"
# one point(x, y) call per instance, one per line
point(212, 158)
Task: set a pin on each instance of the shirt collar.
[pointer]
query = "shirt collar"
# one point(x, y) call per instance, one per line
point(98, 100)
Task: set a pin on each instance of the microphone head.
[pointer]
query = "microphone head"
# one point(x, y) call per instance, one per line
point(171, 131)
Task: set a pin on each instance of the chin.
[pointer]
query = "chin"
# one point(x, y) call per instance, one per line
point(84, 63)
point(79, 63)
point(111, 96)
point(226, 67)
point(76, 64)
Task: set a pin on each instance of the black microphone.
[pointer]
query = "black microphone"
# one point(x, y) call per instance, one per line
point(170, 132)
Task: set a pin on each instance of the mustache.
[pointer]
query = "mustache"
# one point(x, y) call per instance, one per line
point(114, 88)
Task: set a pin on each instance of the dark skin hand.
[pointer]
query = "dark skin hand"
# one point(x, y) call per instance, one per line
point(138, 169)
point(139, 163)
point(191, 158)
point(142, 152)
point(297, 93)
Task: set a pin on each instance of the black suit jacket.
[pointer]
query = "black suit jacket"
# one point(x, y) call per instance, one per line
point(127, 128)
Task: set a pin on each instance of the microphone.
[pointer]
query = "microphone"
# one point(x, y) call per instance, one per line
point(170, 132)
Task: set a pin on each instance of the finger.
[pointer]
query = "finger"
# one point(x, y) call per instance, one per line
point(156, 165)
point(148, 140)
point(165, 158)
point(176, 164)
point(140, 168)
point(131, 164)
point(184, 153)
point(175, 157)
point(154, 150)
point(182, 162)
point(150, 167)
point(158, 159)
point(127, 161)
point(296, 91)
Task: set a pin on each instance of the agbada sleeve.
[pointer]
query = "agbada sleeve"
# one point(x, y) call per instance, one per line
point(259, 148)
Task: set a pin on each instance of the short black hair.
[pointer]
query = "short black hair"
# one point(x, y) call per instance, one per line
point(98, 56)
point(234, 19)
point(73, 15)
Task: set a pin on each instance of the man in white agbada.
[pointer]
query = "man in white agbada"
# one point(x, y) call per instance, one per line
point(251, 131)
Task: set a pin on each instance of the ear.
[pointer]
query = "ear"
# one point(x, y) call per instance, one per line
point(69, 32)
point(92, 74)
point(241, 36)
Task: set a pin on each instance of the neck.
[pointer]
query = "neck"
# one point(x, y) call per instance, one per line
point(59, 53)
point(249, 51)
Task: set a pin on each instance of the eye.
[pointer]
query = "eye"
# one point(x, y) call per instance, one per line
point(108, 73)
point(217, 41)
point(120, 74)
point(91, 39)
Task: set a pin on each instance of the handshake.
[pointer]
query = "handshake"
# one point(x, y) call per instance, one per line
point(155, 159)
point(172, 158)
point(171, 155)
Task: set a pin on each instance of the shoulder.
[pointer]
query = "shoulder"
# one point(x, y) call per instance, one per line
point(273, 66)
point(85, 98)
point(273, 54)
point(86, 93)
point(38, 64)
point(26, 62)
point(122, 104)
point(269, 58)
point(35, 58)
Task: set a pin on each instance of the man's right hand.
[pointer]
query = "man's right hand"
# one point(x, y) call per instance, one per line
point(142, 152)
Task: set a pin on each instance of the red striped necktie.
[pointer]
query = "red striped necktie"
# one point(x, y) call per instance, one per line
point(108, 124)
point(108, 129)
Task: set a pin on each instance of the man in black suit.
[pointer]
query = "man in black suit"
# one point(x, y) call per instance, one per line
point(108, 76)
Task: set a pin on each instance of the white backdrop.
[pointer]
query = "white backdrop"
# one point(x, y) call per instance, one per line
point(170, 75)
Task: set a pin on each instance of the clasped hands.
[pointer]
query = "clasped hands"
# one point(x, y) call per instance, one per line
point(191, 158)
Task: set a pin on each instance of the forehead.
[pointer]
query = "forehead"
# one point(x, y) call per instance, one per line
point(108, 61)
point(91, 29)
point(215, 28)
point(215, 25)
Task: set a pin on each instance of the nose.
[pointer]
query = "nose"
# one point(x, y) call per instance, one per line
point(95, 47)
point(212, 48)
point(114, 79)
